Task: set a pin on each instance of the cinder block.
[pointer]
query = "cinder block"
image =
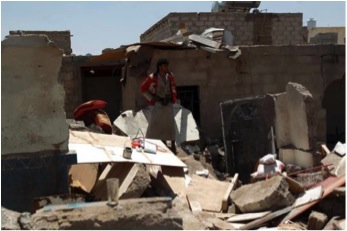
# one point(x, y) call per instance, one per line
point(316, 221)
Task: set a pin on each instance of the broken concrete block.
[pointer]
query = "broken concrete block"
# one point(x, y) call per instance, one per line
point(144, 213)
point(270, 194)
point(316, 221)
point(33, 117)
point(300, 116)
point(138, 184)
point(340, 148)
point(137, 124)
point(334, 160)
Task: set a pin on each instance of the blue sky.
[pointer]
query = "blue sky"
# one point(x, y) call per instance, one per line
point(96, 25)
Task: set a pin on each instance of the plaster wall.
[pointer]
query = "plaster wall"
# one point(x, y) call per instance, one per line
point(258, 71)
point(32, 101)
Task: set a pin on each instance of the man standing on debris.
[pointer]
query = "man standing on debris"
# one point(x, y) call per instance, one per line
point(159, 89)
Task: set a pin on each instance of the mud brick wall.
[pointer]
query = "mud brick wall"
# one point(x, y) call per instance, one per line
point(247, 28)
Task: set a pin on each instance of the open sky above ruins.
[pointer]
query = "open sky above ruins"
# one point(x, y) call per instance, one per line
point(96, 25)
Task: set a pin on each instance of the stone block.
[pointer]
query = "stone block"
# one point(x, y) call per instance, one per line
point(271, 194)
point(316, 221)
point(300, 115)
point(145, 213)
point(9, 219)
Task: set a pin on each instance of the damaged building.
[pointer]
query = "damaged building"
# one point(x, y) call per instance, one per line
point(250, 80)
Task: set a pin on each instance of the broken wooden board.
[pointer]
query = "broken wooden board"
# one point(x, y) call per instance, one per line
point(83, 176)
point(337, 182)
point(325, 150)
point(175, 178)
point(209, 193)
point(309, 196)
point(247, 216)
point(257, 223)
point(97, 148)
point(219, 224)
point(120, 171)
point(194, 205)
point(294, 186)
point(226, 198)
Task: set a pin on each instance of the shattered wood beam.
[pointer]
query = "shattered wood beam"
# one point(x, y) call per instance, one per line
point(327, 190)
point(259, 222)
point(325, 150)
point(226, 198)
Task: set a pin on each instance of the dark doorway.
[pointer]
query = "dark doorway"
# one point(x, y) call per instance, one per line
point(189, 98)
point(245, 130)
point(103, 83)
point(334, 103)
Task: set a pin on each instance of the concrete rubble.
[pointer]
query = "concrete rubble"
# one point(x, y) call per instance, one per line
point(304, 188)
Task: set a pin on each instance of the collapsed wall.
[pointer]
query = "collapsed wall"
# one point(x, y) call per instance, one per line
point(32, 115)
point(295, 120)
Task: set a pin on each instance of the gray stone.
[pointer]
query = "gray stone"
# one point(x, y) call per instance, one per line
point(25, 221)
point(9, 219)
point(316, 221)
point(300, 116)
point(129, 214)
point(271, 194)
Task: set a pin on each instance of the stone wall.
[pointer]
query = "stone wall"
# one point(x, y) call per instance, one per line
point(247, 28)
point(32, 115)
point(258, 71)
point(62, 39)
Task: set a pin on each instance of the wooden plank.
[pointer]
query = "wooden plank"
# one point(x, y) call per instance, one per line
point(120, 171)
point(209, 193)
point(327, 190)
point(257, 223)
point(309, 196)
point(247, 216)
point(97, 148)
point(226, 198)
point(294, 186)
point(128, 180)
point(194, 205)
point(325, 150)
point(83, 176)
point(219, 224)
point(175, 178)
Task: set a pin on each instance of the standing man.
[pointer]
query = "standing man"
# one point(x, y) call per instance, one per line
point(159, 89)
